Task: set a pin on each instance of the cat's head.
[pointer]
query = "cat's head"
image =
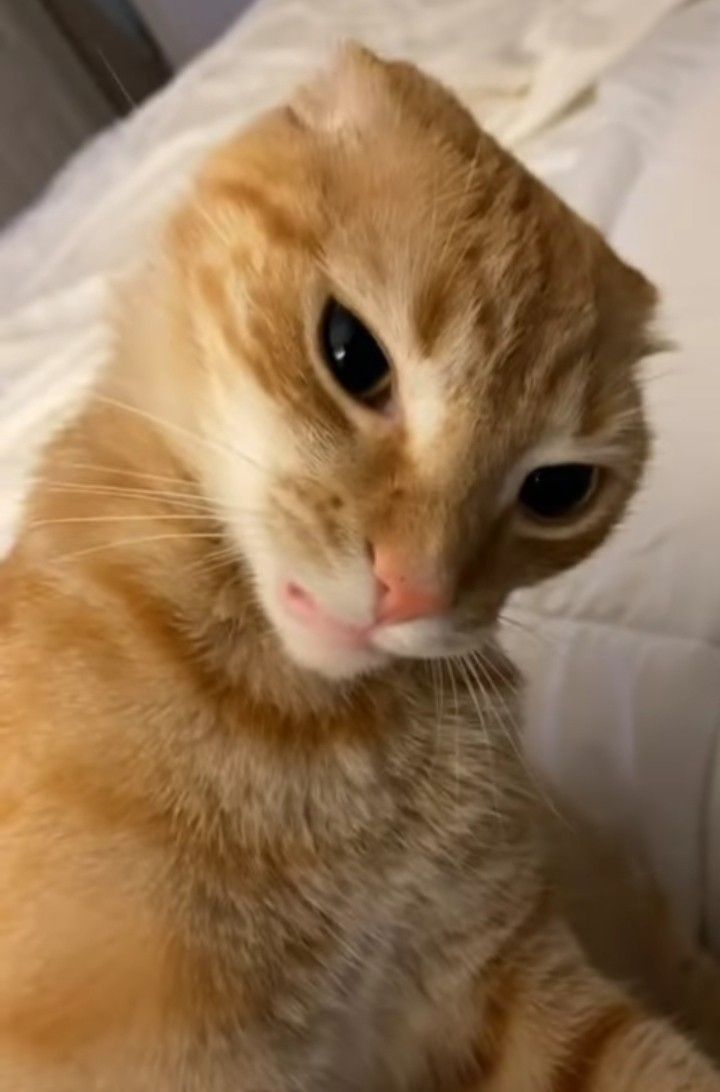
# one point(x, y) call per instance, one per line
point(414, 366)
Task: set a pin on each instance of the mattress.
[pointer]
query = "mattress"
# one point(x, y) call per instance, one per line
point(618, 106)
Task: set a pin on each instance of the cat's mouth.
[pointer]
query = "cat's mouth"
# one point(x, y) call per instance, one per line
point(305, 608)
point(317, 638)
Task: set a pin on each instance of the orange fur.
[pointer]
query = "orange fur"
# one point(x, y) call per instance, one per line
point(232, 855)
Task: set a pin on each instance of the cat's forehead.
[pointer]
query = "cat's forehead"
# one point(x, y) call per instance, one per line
point(467, 262)
point(484, 289)
point(415, 234)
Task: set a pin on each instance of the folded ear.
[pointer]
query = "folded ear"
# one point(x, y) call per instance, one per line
point(627, 304)
point(360, 92)
point(349, 95)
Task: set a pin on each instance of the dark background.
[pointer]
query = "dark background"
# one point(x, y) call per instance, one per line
point(70, 67)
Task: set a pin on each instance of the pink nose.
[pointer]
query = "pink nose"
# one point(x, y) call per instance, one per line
point(402, 598)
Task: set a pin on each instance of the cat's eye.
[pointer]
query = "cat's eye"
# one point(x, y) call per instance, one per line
point(558, 492)
point(354, 357)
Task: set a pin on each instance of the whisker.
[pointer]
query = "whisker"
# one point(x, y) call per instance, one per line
point(186, 500)
point(455, 724)
point(133, 542)
point(514, 737)
point(115, 78)
point(180, 430)
point(108, 489)
point(433, 670)
point(493, 780)
point(441, 701)
point(117, 519)
point(215, 560)
point(103, 469)
point(528, 631)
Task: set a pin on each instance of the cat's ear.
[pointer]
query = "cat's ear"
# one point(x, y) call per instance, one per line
point(627, 306)
point(360, 92)
point(348, 96)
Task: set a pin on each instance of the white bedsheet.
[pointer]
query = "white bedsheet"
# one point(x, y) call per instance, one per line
point(608, 100)
point(625, 697)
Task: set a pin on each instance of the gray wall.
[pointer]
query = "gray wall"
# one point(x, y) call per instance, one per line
point(183, 27)
point(54, 94)
point(48, 103)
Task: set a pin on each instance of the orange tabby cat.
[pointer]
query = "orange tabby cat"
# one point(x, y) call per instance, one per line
point(376, 377)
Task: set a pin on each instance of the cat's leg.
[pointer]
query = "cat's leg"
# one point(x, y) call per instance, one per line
point(550, 1023)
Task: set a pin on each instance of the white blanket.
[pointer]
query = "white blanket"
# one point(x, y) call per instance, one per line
point(605, 98)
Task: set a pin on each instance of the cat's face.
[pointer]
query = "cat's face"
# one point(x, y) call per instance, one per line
point(415, 367)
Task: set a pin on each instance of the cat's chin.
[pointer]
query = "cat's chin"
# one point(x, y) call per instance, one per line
point(330, 659)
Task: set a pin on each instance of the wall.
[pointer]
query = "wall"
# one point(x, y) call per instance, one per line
point(184, 27)
point(48, 103)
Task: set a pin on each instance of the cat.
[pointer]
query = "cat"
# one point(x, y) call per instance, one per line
point(264, 820)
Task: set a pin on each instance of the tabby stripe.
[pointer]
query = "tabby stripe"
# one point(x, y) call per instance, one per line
point(278, 222)
point(504, 987)
point(581, 1064)
point(500, 1007)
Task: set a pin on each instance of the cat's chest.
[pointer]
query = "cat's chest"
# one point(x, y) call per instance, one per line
point(339, 951)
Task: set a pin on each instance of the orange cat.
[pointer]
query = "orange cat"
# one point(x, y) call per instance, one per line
point(263, 823)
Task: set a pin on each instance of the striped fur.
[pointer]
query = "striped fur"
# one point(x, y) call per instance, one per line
point(234, 858)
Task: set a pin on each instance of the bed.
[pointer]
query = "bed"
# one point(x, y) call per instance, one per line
point(618, 106)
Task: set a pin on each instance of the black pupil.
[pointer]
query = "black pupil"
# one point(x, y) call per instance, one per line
point(554, 491)
point(352, 353)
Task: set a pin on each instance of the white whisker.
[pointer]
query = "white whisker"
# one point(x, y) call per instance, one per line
point(133, 542)
point(180, 430)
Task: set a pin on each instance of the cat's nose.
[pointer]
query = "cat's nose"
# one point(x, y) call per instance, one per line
point(403, 596)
